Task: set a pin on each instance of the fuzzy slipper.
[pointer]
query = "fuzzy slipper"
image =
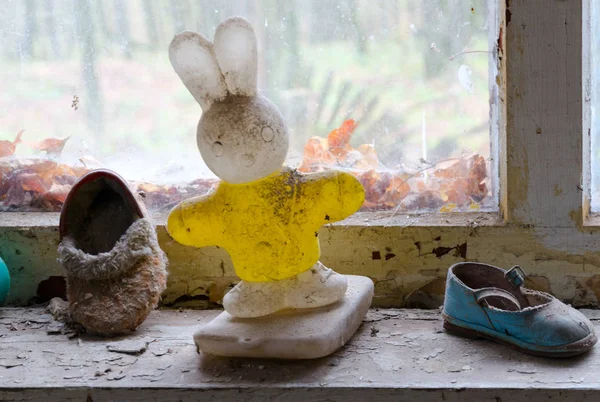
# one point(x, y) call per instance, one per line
point(116, 270)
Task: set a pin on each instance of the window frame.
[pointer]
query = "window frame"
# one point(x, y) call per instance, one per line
point(541, 139)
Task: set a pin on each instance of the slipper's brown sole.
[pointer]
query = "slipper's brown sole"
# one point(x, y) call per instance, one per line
point(577, 348)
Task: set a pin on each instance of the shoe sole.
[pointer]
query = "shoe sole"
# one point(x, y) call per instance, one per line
point(569, 350)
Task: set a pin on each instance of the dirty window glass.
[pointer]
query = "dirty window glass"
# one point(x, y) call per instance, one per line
point(396, 92)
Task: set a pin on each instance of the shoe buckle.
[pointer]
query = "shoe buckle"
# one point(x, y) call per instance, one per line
point(515, 276)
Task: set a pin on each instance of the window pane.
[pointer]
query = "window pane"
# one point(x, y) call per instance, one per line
point(397, 92)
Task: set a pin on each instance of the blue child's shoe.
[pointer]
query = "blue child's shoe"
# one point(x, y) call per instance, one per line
point(489, 302)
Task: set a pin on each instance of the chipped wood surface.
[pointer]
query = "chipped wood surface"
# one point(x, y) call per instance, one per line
point(397, 355)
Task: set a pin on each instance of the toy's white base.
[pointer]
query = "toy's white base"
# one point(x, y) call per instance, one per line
point(292, 334)
point(317, 287)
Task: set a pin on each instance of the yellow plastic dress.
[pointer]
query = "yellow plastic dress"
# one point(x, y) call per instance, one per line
point(269, 226)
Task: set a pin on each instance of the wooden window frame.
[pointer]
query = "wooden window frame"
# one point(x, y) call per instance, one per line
point(542, 123)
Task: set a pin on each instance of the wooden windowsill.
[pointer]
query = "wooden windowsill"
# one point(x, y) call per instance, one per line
point(49, 220)
point(397, 355)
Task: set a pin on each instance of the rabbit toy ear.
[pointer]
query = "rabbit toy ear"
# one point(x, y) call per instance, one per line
point(193, 59)
point(235, 48)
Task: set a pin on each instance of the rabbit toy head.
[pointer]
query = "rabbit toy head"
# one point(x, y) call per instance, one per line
point(241, 135)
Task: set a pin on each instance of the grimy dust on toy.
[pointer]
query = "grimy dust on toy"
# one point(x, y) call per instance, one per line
point(265, 215)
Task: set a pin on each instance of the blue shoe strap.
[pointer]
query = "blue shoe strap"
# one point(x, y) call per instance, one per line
point(515, 276)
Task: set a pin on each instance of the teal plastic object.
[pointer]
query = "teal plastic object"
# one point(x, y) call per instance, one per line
point(4, 281)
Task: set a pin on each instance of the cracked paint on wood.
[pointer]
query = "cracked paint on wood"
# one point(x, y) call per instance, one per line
point(400, 254)
point(397, 355)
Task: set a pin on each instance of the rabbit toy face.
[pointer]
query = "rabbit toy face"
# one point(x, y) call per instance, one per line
point(243, 138)
point(241, 135)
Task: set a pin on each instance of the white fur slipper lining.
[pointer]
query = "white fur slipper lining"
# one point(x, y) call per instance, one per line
point(138, 242)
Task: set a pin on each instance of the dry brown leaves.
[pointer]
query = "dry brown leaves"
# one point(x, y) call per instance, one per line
point(51, 146)
point(454, 184)
point(35, 184)
point(41, 184)
point(7, 148)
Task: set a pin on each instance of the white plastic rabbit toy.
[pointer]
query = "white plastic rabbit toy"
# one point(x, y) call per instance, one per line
point(266, 216)
point(242, 136)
